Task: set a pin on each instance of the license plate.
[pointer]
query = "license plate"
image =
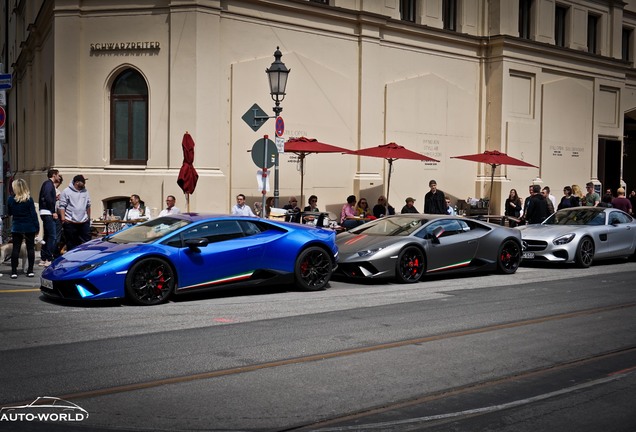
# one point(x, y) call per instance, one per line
point(527, 255)
point(45, 283)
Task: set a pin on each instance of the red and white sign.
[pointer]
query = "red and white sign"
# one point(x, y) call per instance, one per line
point(3, 116)
point(280, 126)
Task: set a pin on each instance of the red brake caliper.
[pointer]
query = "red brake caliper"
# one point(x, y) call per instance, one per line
point(304, 266)
point(414, 264)
point(161, 280)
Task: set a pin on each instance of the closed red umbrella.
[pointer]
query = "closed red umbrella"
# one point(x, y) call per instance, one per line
point(302, 147)
point(494, 158)
point(188, 176)
point(391, 152)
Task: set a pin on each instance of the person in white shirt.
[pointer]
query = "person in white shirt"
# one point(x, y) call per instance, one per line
point(241, 209)
point(449, 208)
point(170, 208)
point(136, 211)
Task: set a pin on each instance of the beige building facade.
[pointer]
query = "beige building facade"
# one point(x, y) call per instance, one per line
point(108, 88)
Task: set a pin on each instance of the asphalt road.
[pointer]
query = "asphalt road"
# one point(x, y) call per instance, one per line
point(549, 348)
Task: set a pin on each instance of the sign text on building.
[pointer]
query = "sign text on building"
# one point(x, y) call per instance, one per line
point(125, 46)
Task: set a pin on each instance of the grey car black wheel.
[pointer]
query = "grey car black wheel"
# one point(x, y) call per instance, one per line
point(585, 252)
point(410, 265)
point(509, 257)
point(313, 269)
point(149, 281)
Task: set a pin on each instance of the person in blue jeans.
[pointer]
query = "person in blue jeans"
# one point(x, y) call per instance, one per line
point(48, 215)
point(24, 226)
point(75, 212)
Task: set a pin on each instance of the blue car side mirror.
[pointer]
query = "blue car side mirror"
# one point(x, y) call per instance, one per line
point(196, 243)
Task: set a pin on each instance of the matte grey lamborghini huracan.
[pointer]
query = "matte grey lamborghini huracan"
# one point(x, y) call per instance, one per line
point(405, 247)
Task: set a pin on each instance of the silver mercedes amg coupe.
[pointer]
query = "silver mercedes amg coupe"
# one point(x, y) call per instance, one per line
point(580, 235)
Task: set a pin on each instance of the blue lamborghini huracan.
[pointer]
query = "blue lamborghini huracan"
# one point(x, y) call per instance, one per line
point(186, 252)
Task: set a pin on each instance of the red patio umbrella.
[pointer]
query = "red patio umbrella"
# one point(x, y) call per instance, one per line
point(188, 176)
point(391, 152)
point(494, 158)
point(302, 147)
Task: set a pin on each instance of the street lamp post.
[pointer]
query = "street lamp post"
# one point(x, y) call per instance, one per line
point(277, 74)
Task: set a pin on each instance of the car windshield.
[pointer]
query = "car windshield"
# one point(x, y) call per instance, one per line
point(391, 226)
point(148, 231)
point(591, 216)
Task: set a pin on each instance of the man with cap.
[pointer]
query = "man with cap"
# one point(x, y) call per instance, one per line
point(409, 207)
point(434, 200)
point(75, 213)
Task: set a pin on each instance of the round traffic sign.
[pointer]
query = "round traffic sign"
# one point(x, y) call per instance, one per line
point(280, 126)
point(258, 153)
point(3, 116)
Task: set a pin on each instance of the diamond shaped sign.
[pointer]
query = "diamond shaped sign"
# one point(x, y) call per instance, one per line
point(255, 117)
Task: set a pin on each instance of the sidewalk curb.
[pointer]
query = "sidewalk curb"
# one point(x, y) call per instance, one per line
point(22, 281)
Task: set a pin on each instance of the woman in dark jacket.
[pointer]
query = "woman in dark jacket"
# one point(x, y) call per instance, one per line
point(568, 199)
point(25, 225)
point(513, 207)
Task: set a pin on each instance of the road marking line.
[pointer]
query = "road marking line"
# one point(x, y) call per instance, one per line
point(2, 291)
point(483, 410)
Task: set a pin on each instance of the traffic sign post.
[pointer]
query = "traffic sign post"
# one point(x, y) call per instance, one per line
point(5, 83)
point(264, 155)
point(280, 126)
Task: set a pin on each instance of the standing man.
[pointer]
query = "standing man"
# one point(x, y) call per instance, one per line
point(46, 202)
point(434, 200)
point(170, 208)
point(75, 212)
point(241, 209)
point(546, 194)
point(549, 196)
point(622, 203)
point(537, 207)
point(592, 199)
point(526, 203)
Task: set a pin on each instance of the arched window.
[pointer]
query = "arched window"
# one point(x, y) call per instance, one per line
point(129, 119)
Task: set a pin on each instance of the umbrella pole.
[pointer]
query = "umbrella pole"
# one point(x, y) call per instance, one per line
point(388, 187)
point(492, 180)
point(302, 179)
point(187, 202)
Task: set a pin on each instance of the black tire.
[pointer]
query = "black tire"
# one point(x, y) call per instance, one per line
point(585, 253)
point(509, 257)
point(150, 282)
point(410, 265)
point(313, 269)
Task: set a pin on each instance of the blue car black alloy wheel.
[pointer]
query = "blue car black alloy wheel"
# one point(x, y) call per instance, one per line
point(149, 281)
point(313, 269)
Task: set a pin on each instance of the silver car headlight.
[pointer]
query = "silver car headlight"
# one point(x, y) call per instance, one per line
point(563, 239)
point(369, 252)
